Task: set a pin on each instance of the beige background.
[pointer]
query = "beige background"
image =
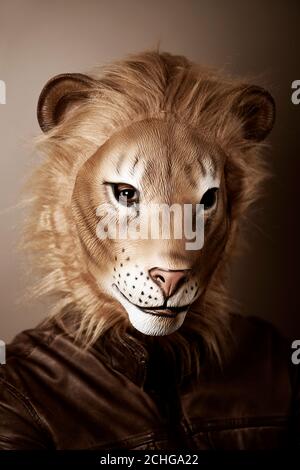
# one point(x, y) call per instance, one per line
point(39, 39)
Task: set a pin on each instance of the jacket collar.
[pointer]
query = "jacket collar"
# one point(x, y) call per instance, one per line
point(137, 362)
point(130, 362)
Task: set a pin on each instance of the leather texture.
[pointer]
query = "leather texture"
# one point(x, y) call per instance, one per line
point(55, 395)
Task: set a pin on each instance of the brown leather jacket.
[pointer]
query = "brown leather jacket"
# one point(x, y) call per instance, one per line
point(55, 396)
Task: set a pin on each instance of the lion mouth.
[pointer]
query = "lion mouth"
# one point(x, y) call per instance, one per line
point(160, 311)
point(165, 312)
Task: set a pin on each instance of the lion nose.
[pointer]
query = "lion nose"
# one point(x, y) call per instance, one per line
point(169, 281)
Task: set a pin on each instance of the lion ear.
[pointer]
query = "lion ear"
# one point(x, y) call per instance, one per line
point(59, 95)
point(255, 106)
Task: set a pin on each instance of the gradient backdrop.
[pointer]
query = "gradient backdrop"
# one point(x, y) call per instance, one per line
point(39, 39)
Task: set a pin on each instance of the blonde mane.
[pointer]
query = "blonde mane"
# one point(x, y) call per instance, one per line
point(141, 86)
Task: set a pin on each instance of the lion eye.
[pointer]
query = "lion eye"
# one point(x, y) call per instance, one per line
point(125, 194)
point(209, 198)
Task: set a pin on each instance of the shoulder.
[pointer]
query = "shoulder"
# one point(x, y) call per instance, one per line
point(43, 353)
point(26, 345)
point(21, 426)
point(260, 340)
point(33, 361)
point(261, 351)
point(257, 334)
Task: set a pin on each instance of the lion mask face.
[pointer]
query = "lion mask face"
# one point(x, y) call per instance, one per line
point(151, 130)
point(161, 162)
